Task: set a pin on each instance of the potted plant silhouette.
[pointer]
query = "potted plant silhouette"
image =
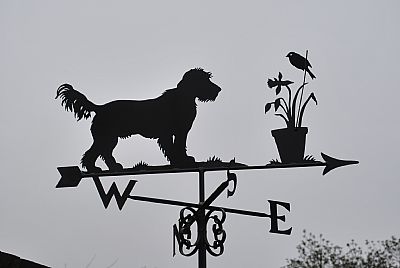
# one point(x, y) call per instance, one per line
point(292, 139)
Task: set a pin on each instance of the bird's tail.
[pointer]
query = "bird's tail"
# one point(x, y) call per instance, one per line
point(76, 102)
point(310, 73)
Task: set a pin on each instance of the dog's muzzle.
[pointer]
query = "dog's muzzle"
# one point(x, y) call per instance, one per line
point(217, 89)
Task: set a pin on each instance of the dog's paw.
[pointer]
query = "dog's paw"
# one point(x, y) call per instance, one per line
point(116, 167)
point(190, 159)
point(185, 162)
point(93, 169)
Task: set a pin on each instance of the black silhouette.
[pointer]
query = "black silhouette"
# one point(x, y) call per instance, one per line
point(71, 176)
point(291, 143)
point(167, 118)
point(290, 104)
point(300, 62)
point(290, 140)
point(11, 261)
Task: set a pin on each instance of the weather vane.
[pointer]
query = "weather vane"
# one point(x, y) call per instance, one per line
point(168, 119)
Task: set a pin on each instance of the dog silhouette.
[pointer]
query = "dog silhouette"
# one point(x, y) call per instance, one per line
point(167, 118)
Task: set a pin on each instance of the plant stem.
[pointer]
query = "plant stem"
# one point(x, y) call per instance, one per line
point(287, 121)
point(302, 90)
point(285, 108)
point(292, 107)
point(293, 114)
point(290, 101)
point(300, 117)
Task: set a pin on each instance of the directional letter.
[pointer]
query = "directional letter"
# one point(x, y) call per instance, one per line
point(274, 217)
point(106, 197)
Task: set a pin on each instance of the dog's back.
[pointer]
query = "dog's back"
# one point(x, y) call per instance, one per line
point(152, 118)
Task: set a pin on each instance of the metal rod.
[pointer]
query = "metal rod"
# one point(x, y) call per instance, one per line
point(215, 194)
point(188, 204)
point(198, 169)
point(163, 201)
point(201, 224)
point(244, 212)
point(201, 186)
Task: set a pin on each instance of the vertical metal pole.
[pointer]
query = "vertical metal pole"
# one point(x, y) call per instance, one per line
point(202, 231)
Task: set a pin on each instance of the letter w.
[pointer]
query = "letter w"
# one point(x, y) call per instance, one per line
point(106, 197)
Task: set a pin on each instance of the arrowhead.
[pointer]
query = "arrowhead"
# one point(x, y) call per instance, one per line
point(70, 177)
point(332, 163)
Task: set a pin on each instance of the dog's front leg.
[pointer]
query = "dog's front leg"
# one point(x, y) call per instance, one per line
point(181, 157)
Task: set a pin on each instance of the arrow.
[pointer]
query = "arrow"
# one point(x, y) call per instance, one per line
point(332, 163)
point(72, 175)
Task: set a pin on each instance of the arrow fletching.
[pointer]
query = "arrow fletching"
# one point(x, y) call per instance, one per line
point(70, 177)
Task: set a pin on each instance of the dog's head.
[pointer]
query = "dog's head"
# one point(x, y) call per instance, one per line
point(197, 81)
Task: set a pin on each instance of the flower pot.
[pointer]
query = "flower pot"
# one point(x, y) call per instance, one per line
point(291, 143)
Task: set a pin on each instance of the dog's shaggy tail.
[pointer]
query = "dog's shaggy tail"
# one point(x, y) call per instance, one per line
point(76, 102)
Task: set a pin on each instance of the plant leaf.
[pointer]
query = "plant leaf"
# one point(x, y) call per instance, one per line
point(267, 107)
point(277, 103)
point(280, 76)
point(278, 89)
point(314, 98)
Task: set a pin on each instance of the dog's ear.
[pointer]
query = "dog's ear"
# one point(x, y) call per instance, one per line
point(184, 80)
point(192, 76)
point(180, 84)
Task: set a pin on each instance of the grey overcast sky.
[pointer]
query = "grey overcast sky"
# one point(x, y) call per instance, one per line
point(135, 50)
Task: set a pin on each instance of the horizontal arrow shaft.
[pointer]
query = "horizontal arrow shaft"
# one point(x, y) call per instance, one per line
point(71, 176)
point(188, 204)
point(198, 169)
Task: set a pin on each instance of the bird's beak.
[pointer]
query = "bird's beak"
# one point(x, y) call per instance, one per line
point(287, 55)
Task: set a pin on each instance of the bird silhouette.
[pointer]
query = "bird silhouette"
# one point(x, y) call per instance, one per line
point(300, 62)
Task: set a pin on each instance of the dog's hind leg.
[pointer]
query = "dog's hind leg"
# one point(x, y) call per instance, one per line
point(108, 145)
point(166, 146)
point(89, 158)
